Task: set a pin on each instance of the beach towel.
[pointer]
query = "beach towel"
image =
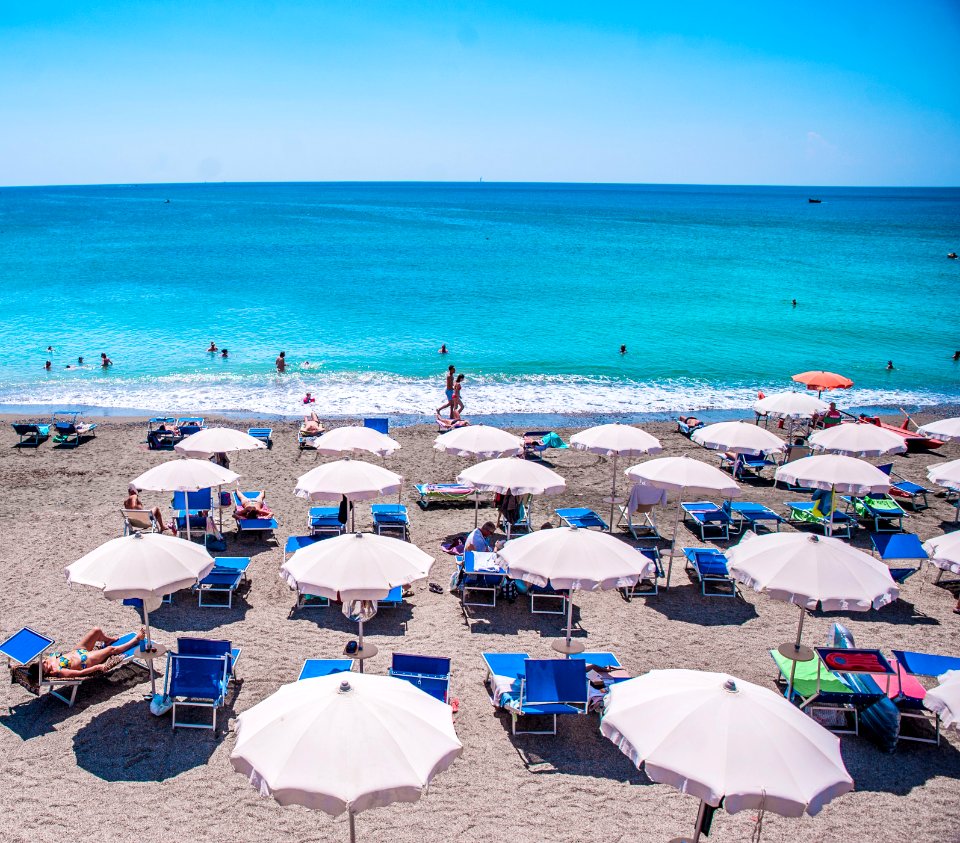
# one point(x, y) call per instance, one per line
point(454, 548)
point(553, 440)
point(645, 496)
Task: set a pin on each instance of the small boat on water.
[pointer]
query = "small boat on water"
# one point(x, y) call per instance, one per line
point(814, 201)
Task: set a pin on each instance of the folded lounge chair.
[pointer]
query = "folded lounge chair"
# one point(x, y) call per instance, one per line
point(709, 519)
point(802, 512)
point(31, 433)
point(28, 646)
point(391, 518)
point(431, 674)
point(526, 687)
point(264, 434)
point(746, 514)
point(225, 578)
point(313, 668)
point(444, 493)
point(582, 517)
point(883, 510)
point(709, 567)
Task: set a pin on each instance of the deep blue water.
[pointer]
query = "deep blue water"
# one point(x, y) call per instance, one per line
point(532, 287)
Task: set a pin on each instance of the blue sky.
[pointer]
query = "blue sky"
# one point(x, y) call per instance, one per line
point(820, 93)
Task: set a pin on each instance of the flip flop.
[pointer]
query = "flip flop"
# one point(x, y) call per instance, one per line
point(455, 705)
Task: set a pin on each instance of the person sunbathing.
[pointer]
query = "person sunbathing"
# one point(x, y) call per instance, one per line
point(452, 423)
point(251, 507)
point(133, 502)
point(311, 426)
point(95, 653)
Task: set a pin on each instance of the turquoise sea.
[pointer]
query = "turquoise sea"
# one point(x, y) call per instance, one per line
point(533, 287)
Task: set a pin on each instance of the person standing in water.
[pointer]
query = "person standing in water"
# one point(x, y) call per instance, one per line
point(213, 346)
point(281, 362)
point(104, 360)
point(623, 349)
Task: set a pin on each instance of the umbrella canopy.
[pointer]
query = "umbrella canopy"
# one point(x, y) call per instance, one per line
point(355, 479)
point(479, 440)
point(184, 475)
point(355, 566)
point(857, 440)
point(345, 742)
point(944, 552)
point(945, 430)
point(822, 381)
point(945, 699)
point(946, 474)
point(811, 570)
point(836, 473)
point(721, 738)
point(217, 440)
point(615, 440)
point(520, 477)
point(790, 405)
point(739, 438)
point(345, 440)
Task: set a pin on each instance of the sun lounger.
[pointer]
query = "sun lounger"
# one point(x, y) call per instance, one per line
point(520, 519)
point(709, 566)
point(535, 442)
point(911, 493)
point(908, 666)
point(138, 521)
point(313, 668)
point(197, 681)
point(431, 674)
point(211, 647)
point(528, 687)
point(70, 429)
point(444, 493)
point(582, 517)
point(225, 578)
point(380, 425)
point(295, 543)
point(480, 579)
point(546, 600)
point(325, 520)
point(887, 517)
point(391, 518)
point(802, 512)
point(189, 425)
point(746, 514)
point(902, 547)
point(264, 434)
point(794, 453)
point(393, 600)
point(815, 688)
point(31, 433)
point(162, 434)
point(27, 646)
point(688, 424)
point(641, 502)
point(707, 518)
point(257, 526)
point(649, 584)
point(737, 464)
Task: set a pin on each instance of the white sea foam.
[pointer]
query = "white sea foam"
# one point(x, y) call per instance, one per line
point(357, 394)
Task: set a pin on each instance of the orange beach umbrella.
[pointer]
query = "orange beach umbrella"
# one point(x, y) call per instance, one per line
point(821, 381)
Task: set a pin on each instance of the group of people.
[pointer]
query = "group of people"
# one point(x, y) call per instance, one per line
point(213, 350)
point(452, 391)
point(105, 362)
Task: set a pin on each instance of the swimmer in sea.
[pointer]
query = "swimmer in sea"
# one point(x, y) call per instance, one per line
point(79, 361)
point(443, 349)
point(47, 365)
point(104, 360)
point(281, 362)
point(794, 302)
point(889, 365)
point(224, 353)
point(623, 349)
point(213, 346)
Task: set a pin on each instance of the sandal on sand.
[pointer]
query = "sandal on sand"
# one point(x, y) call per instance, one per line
point(436, 589)
point(455, 705)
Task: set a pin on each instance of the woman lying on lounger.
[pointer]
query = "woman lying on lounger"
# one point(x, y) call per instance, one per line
point(311, 426)
point(94, 654)
point(251, 507)
point(452, 423)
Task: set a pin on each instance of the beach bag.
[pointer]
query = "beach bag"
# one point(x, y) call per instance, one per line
point(216, 544)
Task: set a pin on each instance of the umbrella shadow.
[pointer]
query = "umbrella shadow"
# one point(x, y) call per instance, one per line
point(898, 612)
point(128, 744)
point(38, 716)
point(391, 621)
point(685, 603)
point(508, 618)
point(189, 617)
point(912, 766)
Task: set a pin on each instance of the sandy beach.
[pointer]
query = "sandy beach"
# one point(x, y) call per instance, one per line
point(108, 770)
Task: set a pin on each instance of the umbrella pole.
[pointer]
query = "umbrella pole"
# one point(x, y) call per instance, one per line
point(353, 829)
point(701, 815)
point(360, 644)
point(673, 544)
point(476, 508)
point(833, 508)
point(149, 640)
point(793, 664)
point(613, 492)
point(220, 505)
point(569, 620)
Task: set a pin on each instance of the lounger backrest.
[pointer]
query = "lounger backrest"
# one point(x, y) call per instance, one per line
point(199, 677)
point(431, 665)
point(555, 681)
point(24, 646)
point(192, 500)
point(381, 425)
point(797, 452)
point(137, 519)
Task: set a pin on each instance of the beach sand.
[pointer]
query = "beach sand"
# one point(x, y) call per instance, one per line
point(108, 770)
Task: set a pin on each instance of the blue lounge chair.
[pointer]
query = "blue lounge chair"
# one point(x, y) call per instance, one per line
point(380, 425)
point(393, 600)
point(197, 681)
point(582, 517)
point(526, 687)
point(162, 434)
point(431, 674)
point(264, 434)
point(546, 600)
point(189, 425)
point(253, 526)
point(225, 578)
point(313, 668)
point(902, 488)
point(522, 520)
point(739, 463)
point(295, 543)
point(325, 520)
point(802, 512)
point(195, 506)
point(211, 647)
point(444, 493)
point(641, 589)
point(887, 517)
point(27, 646)
point(899, 546)
point(391, 518)
point(707, 517)
point(67, 428)
point(709, 566)
point(480, 580)
point(31, 434)
point(751, 515)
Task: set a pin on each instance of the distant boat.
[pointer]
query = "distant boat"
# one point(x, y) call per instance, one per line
point(814, 201)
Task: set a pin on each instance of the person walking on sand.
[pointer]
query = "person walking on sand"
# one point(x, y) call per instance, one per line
point(448, 389)
point(281, 362)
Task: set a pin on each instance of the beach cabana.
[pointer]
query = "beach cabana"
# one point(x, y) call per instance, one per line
point(726, 741)
point(615, 440)
point(345, 742)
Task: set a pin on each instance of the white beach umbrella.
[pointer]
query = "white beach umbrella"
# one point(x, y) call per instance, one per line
point(811, 571)
point(479, 440)
point(857, 440)
point(345, 742)
point(511, 476)
point(615, 440)
point(946, 430)
point(946, 474)
point(720, 738)
point(572, 559)
point(184, 475)
point(739, 438)
point(355, 480)
point(146, 566)
point(345, 440)
point(355, 567)
point(680, 475)
point(790, 405)
point(945, 699)
point(217, 440)
point(944, 552)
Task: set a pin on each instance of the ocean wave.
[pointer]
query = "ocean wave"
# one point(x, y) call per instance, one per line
point(364, 393)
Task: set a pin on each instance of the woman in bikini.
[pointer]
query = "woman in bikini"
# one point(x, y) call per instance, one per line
point(251, 507)
point(94, 654)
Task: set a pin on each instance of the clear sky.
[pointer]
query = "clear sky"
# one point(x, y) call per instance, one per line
point(819, 93)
